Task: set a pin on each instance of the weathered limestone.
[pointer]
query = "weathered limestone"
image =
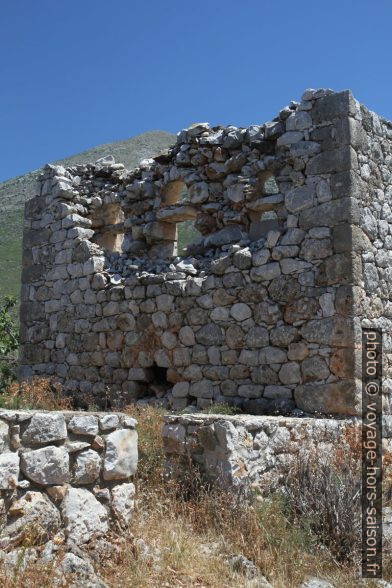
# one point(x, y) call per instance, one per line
point(84, 516)
point(70, 473)
point(121, 455)
point(33, 512)
point(46, 466)
point(246, 451)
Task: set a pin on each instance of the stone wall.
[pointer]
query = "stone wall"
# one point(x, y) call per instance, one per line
point(372, 295)
point(66, 473)
point(263, 310)
point(251, 451)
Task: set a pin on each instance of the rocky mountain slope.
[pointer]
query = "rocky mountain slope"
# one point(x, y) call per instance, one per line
point(16, 191)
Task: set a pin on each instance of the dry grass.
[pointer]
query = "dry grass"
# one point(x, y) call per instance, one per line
point(327, 499)
point(41, 393)
point(191, 533)
point(181, 535)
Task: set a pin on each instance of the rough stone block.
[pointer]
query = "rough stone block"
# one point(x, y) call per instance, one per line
point(336, 160)
point(121, 455)
point(336, 398)
point(46, 466)
point(9, 470)
point(83, 515)
point(45, 428)
point(84, 425)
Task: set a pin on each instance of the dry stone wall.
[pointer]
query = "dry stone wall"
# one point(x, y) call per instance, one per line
point(253, 452)
point(66, 473)
point(263, 310)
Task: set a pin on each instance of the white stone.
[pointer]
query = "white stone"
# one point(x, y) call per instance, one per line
point(84, 425)
point(3, 436)
point(187, 267)
point(121, 455)
point(80, 570)
point(9, 470)
point(316, 583)
point(45, 428)
point(84, 517)
point(109, 421)
point(129, 422)
point(46, 466)
point(123, 502)
point(87, 467)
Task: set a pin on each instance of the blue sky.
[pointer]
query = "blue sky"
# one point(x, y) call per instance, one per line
point(78, 73)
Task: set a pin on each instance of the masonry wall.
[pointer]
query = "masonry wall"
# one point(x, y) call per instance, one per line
point(246, 451)
point(261, 311)
point(374, 294)
point(252, 452)
point(65, 473)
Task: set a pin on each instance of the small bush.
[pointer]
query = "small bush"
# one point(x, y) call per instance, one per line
point(221, 408)
point(8, 342)
point(323, 492)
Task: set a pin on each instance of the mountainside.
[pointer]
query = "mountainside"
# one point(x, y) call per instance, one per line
point(16, 191)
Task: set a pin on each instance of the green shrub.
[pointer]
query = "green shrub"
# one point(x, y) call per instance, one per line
point(221, 408)
point(8, 342)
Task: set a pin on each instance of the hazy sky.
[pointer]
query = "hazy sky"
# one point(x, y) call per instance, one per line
point(77, 73)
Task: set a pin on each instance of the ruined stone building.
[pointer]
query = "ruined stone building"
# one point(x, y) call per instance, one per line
point(237, 267)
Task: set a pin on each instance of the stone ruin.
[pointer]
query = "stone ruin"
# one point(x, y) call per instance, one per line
point(237, 267)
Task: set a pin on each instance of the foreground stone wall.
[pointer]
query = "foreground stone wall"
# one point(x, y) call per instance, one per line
point(256, 452)
point(66, 473)
point(264, 310)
